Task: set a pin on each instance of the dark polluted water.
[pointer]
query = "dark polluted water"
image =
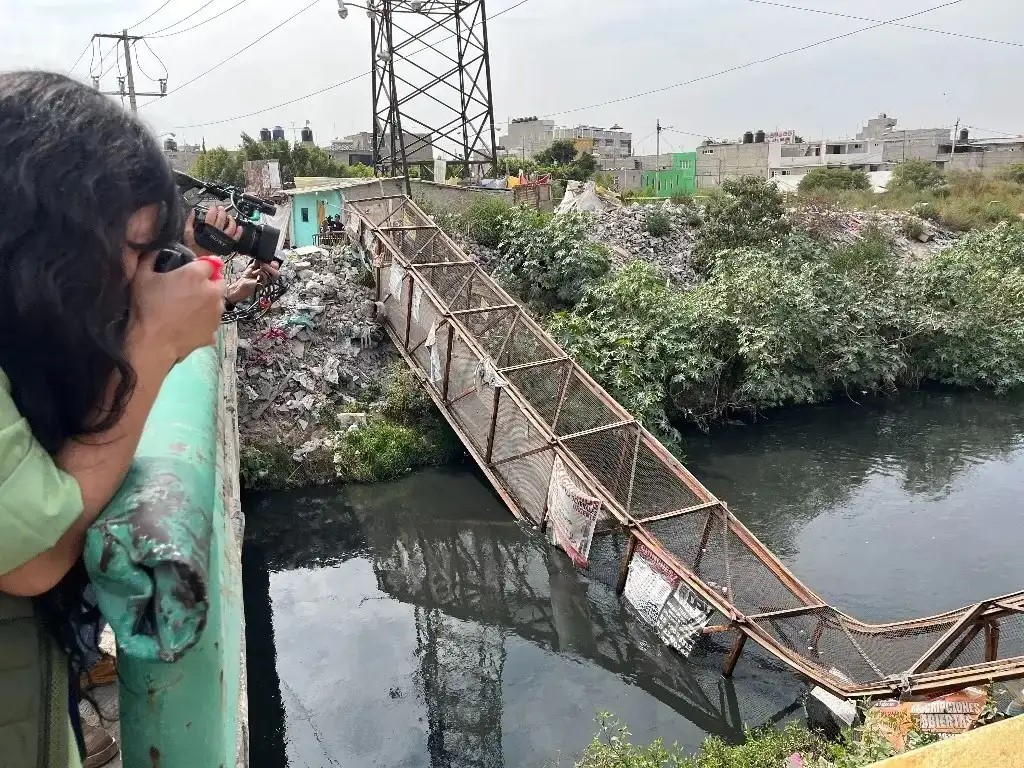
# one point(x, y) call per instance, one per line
point(416, 624)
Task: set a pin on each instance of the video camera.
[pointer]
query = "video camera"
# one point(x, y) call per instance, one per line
point(258, 241)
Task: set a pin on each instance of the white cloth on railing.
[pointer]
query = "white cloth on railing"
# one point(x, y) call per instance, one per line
point(435, 373)
point(396, 278)
point(572, 515)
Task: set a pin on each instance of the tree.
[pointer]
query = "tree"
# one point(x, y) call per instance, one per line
point(916, 176)
point(561, 152)
point(834, 180)
point(751, 213)
point(221, 165)
point(585, 165)
point(300, 160)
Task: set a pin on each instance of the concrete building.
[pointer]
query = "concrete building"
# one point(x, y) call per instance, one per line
point(181, 156)
point(530, 135)
point(987, 154)
point(358, 148)
point(856, 154)
point(717, 162)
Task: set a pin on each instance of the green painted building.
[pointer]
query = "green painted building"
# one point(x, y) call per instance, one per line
point(681, 177)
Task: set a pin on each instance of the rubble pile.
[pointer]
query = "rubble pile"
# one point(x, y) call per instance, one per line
point(624, 231)
point(316, 350)
point(845, 227)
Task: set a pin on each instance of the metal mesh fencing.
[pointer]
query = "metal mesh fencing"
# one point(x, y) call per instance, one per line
point(527, 413)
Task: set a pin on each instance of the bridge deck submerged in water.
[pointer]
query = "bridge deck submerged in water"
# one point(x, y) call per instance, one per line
point(524, 410)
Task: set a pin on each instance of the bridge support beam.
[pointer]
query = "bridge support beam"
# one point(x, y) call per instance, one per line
point(734, 653)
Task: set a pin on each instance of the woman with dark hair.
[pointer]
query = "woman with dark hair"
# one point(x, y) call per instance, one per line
point(90, 331)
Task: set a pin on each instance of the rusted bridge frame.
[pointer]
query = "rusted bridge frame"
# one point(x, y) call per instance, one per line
point(965, 623)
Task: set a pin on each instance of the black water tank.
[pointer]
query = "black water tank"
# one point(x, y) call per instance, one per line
point(965, 135)
point(748, 137)
point(278, 133)
point(307, 135)
point(759, 137)
point(170, 145)
point(265, 134)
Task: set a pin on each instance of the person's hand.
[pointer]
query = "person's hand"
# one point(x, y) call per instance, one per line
point(177, 311)
point(244, 287)
point(218, 217)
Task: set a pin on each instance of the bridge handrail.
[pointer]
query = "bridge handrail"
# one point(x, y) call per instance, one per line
point(164, 560)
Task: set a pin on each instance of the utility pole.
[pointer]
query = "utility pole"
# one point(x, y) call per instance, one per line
point(956, 133)
point(128, 69)
point(128, 41)
point(657, 151)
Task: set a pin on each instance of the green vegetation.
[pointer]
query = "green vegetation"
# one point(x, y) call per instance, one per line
point(265, 465)
point(484, 219)
point(748, 213)
point(780, 319)
point(561, 152)
point(916, 176)
point(548, 261)
point(763, 748)
point(403, 433)
point(658, 224)
point(681, 197)
point(834, 179)
point(959, 200)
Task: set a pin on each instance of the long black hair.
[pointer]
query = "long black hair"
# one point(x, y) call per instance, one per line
point(74, 168)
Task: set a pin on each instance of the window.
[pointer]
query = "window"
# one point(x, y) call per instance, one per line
point(305, 215)
point(707, 151)
point(874, 168)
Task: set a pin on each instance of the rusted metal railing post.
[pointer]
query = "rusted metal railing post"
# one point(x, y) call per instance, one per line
point(620, 587)
point(448, 362)
point(408, 310)
point(991, 640)
point(734, 652)
point(494, 424)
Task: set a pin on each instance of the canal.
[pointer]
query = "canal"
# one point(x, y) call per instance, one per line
point(415, 624)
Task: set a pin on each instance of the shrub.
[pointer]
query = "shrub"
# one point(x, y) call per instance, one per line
point(658, 223)
point(972, 295)
point(681, 197)
point(969, 213)
point(1013, 173)
point(916, 176)
point(749, 213)
point(912, 228)
point(834, 179)
point(484, 219)
point(547, 261)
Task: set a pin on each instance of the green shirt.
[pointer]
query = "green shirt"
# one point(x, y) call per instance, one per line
point(38, 504)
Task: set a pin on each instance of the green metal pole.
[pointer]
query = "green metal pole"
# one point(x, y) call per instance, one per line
point(165, 566)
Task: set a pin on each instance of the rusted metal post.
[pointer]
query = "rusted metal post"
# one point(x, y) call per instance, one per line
point(991, 640)
point(447, 363)
point(408, 311)
point(561, 396)
point(494, 424)
point(734, 653)
point(620, 587)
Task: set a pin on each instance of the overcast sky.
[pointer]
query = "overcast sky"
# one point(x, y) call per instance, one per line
point(558, 57)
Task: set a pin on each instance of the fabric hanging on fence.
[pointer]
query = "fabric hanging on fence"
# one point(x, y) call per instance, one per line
point(664, 601)
point(435, 372)
point(417, 297)
point(395, 280)
point(487, 380)
point(572, 515)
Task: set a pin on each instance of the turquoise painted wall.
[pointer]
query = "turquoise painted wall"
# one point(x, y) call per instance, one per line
point(303, 231)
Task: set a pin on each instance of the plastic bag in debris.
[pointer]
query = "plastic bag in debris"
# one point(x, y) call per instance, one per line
point(581, 196)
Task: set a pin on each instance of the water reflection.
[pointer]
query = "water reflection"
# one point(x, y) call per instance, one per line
point(424, 616)
point(415, 624)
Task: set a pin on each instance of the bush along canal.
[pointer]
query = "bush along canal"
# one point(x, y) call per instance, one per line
point(414, 623)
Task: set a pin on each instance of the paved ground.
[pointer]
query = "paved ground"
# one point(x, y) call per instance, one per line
point(106, 699)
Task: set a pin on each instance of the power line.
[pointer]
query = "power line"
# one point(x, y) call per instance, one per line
point(80, 56)
point(138, 61)
point(891, 23)
point(194, 26)
point(154, 13)
point(1008, 134)
point(236, 53)
point(749, 64)
point(321, 90)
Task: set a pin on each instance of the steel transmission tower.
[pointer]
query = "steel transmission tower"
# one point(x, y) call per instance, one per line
point(431, 85)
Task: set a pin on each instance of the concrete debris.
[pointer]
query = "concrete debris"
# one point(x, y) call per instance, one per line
point(828, 713)
point(843, 227)
point(587, 197)
point(318, 349)
point(624, 231)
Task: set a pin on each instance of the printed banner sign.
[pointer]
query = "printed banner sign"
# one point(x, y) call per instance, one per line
point(665, 602)
point(572, 515)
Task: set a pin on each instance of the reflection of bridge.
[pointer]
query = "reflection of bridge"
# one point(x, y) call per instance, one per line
point(519, 404)
point(473, 580)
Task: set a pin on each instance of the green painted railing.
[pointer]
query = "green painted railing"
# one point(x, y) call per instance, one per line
point(164, 561)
